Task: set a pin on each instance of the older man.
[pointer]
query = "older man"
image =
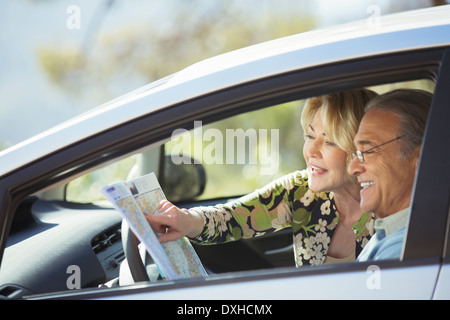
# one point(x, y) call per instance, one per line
point(388, 146)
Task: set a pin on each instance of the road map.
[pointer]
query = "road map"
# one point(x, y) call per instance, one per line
point(139, 197)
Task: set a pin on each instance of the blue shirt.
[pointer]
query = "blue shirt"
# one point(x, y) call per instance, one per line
point(387, 243)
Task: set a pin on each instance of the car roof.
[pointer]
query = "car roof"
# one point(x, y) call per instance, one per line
point(412, 30)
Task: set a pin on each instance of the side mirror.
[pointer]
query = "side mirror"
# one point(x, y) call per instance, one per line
point(184, 181)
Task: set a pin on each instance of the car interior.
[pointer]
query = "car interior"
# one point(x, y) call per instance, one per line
point(71, 224)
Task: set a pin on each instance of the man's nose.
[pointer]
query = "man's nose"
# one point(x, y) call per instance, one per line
point(355, 167)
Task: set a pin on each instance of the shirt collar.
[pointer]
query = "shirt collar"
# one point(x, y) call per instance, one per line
point(392, 223)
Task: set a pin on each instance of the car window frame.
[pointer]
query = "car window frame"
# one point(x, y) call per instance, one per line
point(265, 92)
point(432, 167)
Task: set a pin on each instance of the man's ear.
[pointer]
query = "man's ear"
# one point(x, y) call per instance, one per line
point(416, 156)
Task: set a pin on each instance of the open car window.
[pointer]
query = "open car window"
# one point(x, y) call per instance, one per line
point(238, 154)
point(250, 150)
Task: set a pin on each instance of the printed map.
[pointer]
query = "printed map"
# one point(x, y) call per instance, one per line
point(181, 254)
point(140, 197)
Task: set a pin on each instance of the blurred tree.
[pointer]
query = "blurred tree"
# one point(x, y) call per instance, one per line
point(196, 31)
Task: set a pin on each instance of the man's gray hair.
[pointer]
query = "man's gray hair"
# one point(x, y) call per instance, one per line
point(412, 107)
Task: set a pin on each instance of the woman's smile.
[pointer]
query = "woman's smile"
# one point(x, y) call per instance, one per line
point(316, 170)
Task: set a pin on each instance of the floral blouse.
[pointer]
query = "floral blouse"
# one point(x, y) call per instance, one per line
point(286, 202)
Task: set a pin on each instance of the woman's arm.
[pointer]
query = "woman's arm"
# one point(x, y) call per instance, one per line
point(266, 210)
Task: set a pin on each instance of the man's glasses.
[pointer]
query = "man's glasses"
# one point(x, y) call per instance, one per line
point(360, 154)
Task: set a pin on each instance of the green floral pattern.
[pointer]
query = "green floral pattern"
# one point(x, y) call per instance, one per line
point(286, 202)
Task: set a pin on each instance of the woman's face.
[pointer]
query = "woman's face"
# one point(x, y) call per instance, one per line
point(326, 162)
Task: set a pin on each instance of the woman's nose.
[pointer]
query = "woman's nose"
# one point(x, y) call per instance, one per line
point(312, 148)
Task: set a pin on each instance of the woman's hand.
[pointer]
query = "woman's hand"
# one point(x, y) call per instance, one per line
point(174, 223)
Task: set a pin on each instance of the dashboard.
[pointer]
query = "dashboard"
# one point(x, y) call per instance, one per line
point(51, 239)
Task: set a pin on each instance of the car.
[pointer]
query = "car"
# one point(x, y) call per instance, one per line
point(59, 243)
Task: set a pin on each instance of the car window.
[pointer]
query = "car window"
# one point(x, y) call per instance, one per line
point(86, 189)
point(248, 151)
point(243, 152)
point(257, 147)
point(239, 154)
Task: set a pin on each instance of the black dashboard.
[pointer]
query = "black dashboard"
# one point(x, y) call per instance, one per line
point(56, 246)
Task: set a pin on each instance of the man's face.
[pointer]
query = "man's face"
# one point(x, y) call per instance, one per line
point(386, 179)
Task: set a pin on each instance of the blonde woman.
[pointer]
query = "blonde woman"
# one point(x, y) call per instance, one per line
point(320, 204)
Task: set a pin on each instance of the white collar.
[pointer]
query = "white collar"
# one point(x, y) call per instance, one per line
point(393, 222)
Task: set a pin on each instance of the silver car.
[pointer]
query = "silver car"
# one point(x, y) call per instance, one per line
point(58, 243)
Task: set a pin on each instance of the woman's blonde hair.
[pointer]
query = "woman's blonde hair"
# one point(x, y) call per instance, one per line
point(341, 114)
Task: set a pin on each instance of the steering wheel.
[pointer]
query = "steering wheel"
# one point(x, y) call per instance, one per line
point(130, 246)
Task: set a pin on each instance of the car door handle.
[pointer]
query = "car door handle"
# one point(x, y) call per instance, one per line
point(287, 249)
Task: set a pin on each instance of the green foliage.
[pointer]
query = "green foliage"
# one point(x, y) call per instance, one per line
point(61, 64)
